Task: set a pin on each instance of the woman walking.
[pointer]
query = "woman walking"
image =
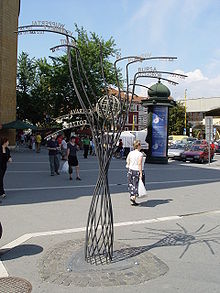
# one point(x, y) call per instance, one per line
point(5, 157)
point(135, 171)
point(72, 149)
point(64, 149)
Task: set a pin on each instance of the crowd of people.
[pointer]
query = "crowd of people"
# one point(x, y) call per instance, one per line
point(31, 140)
point(60, 148)
point(135, 160)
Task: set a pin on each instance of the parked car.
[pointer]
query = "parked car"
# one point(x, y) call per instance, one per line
point(217, 147)
point(191, 139)
point(188, 145)
point(197, 153)
point(201, 142)
point(173, 138)
point(175, 151)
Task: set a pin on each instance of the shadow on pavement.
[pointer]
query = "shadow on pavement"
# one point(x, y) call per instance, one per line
point(154, 202)
point(166, 238)
point(20, 251)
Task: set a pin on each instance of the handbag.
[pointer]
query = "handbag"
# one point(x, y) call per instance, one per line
point(65, 167)
point(142, 192)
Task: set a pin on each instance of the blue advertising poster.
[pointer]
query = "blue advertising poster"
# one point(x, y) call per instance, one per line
point(159, 131)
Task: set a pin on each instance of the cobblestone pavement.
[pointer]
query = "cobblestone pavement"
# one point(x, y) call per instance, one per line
point(64, 264)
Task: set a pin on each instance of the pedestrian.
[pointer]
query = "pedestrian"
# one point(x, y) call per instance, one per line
point(72, 149)
point(135, 171)
point(120, 149)
point(86, 143)
point(53, 148)
point(77, 140)
point(28, 139)
point(59, 139)
point(38, 140)
point(64, 149)
point(32, 142)
point(5, 157)
point(212, 145)
point(22, 138)
point(90, 146)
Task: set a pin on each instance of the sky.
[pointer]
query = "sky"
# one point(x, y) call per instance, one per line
point(186, 29)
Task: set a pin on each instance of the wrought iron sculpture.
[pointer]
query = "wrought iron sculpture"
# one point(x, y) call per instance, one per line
point(107, 120)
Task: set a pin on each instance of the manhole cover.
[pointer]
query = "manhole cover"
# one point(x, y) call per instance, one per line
point(14, 285)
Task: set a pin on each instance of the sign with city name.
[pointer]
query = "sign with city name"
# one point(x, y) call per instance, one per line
point(41, 26)
point(67, 125)
point(69, 116)
point(75, 123)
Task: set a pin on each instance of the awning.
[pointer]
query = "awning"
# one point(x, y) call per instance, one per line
point(18, 124)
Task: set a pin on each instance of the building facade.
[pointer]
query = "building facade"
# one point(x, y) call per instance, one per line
point(198, 109)
point(9, 11)
point(138, 115)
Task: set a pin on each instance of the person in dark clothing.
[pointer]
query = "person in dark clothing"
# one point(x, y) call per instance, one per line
point(86, 143)
point(120, 150)
point(53, 148)
point(5, 157)
point(72, 149)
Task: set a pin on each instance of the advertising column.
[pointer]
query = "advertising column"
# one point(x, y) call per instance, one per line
point(159, 131)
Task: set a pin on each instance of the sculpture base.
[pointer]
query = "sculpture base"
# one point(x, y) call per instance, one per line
point(65, 265)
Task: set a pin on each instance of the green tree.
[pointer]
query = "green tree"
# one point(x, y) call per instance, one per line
point(89, 47)
point(41, 97)
point(26, 72)
point(177, 120)
point(51, 91)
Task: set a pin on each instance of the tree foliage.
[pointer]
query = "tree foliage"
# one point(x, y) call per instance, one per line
point(177, 120)
point(44, 88)
point(26, 72)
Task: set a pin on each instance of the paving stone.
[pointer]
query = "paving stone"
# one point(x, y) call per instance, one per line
point(64, 264)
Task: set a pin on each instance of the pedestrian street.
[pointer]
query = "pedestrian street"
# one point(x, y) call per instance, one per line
point(169, 242)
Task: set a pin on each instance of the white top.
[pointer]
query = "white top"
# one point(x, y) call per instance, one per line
point(64, 144)
point(133, 158)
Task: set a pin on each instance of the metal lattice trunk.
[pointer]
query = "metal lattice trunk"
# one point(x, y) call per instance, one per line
point(99, 231)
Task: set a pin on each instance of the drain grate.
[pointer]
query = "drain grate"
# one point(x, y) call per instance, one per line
point(14, 285)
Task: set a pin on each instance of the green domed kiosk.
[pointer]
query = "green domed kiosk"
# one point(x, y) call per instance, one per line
point(158, 105)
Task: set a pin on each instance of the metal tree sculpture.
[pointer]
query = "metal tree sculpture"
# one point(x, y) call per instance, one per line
point(106, 122)
point(106, 119)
